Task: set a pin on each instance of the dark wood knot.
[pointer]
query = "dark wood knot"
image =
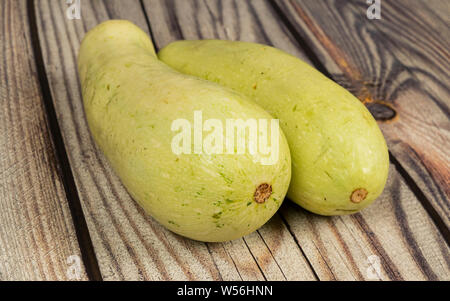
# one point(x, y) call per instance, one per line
point(382, 111)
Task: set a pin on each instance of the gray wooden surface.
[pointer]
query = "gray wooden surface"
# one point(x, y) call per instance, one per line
point(37, 235)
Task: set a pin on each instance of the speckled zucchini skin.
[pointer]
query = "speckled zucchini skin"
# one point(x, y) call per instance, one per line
point(131, 99)
point(339, 155)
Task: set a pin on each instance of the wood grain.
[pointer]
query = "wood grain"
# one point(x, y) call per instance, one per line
point(129, 244)
point(396, 228)
point(36, 230)
point(399, 67)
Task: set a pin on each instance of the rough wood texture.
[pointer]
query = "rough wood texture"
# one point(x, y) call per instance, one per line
point(397, 229)
point(128, 243)
point(399, 66)
point(36, 231)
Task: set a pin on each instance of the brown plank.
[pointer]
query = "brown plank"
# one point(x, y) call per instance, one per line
point(37, 236)
point(396, 229)
point(397, 64)
point(128, 243)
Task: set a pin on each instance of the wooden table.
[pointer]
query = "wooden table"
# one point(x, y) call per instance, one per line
point(60, 201)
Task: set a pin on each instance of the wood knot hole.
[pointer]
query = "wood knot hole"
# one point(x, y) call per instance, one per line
point(382, 111)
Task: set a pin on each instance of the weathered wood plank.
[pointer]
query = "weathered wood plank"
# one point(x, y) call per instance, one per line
point(36, 230)
point(128, 243)
point(397, 64)
point(396, 229)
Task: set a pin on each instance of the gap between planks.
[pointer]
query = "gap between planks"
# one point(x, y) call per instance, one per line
point(84, 240)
